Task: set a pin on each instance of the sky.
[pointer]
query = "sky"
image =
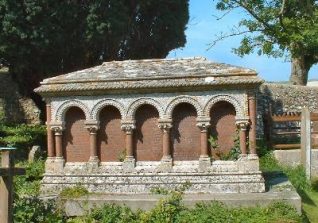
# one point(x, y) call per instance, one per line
point(202, 29)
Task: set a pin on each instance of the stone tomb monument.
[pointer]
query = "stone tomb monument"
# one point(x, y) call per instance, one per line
point(130, 126)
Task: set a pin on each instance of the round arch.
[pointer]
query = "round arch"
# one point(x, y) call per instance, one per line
point(226, 98)
point(142, 101)
point(63, 108)
point(183, 99)
point(107, 102)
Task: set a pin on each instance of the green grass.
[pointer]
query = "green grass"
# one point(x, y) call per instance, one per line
point(307, 190)
point(310, 205)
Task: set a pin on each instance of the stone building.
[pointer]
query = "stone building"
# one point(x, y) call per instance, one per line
point(130, 126)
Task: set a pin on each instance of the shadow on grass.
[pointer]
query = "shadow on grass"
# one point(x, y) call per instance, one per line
point(275, 178)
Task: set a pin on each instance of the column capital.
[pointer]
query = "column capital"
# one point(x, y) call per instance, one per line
point(251, 94)
point(242, 124)
point(165, 123)
point(128, 126)
point(203, 125)
point(57, 128)
point(92, 126)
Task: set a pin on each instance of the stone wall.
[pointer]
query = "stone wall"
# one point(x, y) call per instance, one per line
point(13, 107)
point(284, 98)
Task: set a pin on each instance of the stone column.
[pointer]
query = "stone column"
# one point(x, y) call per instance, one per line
point(252, 131)
point(59, 159)
point(166, 161)
point(49, 163)
point(242, 125)
point(204, 160)
point(129, 162)
point(50, 137)
point(92, 127)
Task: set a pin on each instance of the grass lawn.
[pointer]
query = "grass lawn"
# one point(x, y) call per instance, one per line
point(310, 205)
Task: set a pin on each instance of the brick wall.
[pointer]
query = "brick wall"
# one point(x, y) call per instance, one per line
point(75, 137)
point(223, 125)
point(147, 136)
point(110, 137)
point(185, 134)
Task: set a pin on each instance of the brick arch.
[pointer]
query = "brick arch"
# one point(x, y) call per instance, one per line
point(110, 137)
point(223, 125)
point(63, 108)
point(185, 135)
point(144, 101)
point(183, 99)
point(147, 135)
point(239, 109)
point(75, 136)
point(95, 114)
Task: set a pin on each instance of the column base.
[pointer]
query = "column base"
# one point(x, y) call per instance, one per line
point(50, 165)
point(242, 157)
point(59, 164)
point(129, 164)
point(93, 163)
point(253, 157)
point(165, 165)
point(204, 163)
point(250, 163)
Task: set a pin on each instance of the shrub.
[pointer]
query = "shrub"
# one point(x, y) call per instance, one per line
point(22, 136)
point(29, 184)
point(32, 209)
point(74, 192)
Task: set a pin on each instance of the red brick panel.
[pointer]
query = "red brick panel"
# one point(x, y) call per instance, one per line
point(110, 138)
point(184, 133)
point(75, 136)
point(147, 135)
point(223, 125)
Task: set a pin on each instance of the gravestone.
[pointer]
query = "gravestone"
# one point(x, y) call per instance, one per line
point(7, 171)
point(34, 153)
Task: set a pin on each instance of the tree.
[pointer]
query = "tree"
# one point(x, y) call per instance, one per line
point(276, 27)
point(43, 38)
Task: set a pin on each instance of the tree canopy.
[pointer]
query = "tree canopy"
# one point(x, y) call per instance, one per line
point(276, 27)
point(43, 38)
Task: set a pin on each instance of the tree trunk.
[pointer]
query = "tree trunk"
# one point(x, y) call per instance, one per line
point(299, 71)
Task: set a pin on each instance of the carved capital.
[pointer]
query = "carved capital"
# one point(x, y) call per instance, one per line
point(128, 126)
point(57, 127)
point(242, 125)
point(165, 124)
point(92, 126)
point(251, 95)
point(203, 124)
point(57, 130)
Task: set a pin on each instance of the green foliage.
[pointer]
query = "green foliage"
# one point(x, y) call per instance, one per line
point(74, 192)
point(29, 184)
point(218, 212)
point(32, 209)
point(39, 39)
point(167, 210)
point(122, 155)
point(22, 136)
point(171, 209)
point(159, 190)
point(234, 152)
point(275, 28)
point(108, 213)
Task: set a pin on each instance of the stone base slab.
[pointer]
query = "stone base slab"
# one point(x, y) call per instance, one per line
point(278, 189)
point(129, 183)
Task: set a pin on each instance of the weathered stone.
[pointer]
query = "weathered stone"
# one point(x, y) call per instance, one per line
point(34, 153)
